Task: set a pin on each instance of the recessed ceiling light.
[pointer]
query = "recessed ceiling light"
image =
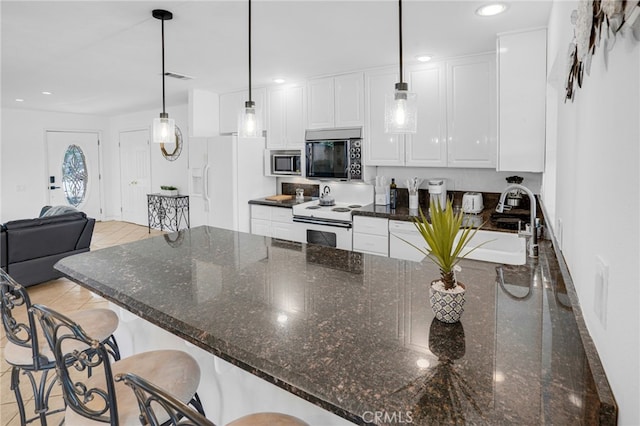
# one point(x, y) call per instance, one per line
point(424, 58)
point(46, 93)
point(19, 100)
point(278, 80)
point(491, 9)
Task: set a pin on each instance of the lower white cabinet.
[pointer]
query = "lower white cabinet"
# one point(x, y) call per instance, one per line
point(275, 222)
point(371, 235)
point(401, 235)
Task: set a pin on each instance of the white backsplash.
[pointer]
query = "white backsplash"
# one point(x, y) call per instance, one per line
point(480, 180)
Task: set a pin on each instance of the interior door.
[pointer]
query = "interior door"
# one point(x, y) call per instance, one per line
point(135, 175)
point(74, 171)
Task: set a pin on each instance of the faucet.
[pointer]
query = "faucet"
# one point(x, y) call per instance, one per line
point(530, 230)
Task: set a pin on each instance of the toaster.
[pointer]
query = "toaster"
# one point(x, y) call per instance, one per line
point(472, 202)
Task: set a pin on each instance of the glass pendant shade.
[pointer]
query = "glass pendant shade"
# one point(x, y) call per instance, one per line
point(248, 122)
point(401, 112)
point(164, 129)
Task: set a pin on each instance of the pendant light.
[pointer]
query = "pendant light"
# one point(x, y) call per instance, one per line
point(164, 128)
point(248, 121)
point(400, 108)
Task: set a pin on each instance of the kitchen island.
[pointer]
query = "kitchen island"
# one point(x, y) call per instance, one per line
point(354, 333)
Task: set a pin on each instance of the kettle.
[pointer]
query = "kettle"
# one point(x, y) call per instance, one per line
point(472, 202)
point(326, 199)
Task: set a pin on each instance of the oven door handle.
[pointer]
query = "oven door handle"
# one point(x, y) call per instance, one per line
point(313, 221)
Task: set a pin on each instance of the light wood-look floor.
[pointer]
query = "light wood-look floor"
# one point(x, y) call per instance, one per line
point(62, 295)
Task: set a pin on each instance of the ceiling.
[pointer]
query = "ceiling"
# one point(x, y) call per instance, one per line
point(104, 57)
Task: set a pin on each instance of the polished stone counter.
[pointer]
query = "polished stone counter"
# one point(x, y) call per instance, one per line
point(354, 333)
point(287, 204)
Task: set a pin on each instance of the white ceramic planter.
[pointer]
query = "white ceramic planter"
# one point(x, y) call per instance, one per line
point(447, 307)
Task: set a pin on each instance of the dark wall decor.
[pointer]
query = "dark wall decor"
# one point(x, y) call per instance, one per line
point(596, 21)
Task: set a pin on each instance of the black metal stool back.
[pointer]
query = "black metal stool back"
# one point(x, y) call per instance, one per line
point(20, 328)
point(76, 353)
point(150, 397)
point(18, 321)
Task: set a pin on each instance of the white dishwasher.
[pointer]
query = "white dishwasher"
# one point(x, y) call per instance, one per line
point(399, 249)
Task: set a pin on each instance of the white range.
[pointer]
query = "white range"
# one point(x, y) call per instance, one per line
point(331, 225)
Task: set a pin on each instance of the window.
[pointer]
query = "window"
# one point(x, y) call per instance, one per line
point(74, 175)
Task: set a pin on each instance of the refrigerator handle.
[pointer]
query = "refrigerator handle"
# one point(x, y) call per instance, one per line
point(205, 183)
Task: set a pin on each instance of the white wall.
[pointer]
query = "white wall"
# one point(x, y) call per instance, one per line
point(24, 174)
point(24, 168)
point(597, 198)
point(163, 172)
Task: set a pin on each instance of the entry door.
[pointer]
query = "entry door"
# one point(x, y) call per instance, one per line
point(135, 175)
point(74, 171)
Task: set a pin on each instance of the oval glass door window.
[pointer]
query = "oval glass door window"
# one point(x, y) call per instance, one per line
point(74, 175)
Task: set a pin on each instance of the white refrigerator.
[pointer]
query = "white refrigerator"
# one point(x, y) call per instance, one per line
point(225, 172)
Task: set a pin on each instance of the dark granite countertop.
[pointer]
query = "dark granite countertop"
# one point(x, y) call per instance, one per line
point(284, 203)
point(402, 212)
point(360, 335)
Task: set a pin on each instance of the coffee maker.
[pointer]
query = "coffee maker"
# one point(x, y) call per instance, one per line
point(438, 192)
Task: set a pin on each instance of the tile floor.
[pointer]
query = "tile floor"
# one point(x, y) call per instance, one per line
point(63, 295)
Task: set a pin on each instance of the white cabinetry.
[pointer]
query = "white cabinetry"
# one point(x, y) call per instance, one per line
point(336, 101)
point(371, 235)
point(276, 222)
point(204, 116)
point(521, 100)
point(471, 112)
point(456, 115)
point(286, 117)
point(428, 146)
point(381, 149)
point(399, 249)
point(231, 104)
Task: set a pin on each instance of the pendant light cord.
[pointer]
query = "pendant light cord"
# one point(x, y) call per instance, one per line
point(250, 51)
point(163, 109)
point(400, 38)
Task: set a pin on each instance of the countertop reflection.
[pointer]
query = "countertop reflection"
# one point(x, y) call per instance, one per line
point(354, 333)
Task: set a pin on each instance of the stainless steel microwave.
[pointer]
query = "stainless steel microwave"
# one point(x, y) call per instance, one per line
point(286, 163)
point(334, 154)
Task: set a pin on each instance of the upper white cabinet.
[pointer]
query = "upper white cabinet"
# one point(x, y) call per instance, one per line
point(381, 149)
point(336, 101)
point(286, 117)
point(428, 146)
point(204, 116)
point(521, 100)
point(456, 115)
point(231, 104)
point(321, 108)
point(471, 112)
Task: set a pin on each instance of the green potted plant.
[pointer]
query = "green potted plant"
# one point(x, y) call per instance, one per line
point(168, 190)
point(446, 240)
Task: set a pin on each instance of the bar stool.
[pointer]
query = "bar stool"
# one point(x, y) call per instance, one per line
point(172, 408)
point(99, 399)
point(27, 351)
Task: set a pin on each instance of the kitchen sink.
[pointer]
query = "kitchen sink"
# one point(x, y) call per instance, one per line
point(498, 247)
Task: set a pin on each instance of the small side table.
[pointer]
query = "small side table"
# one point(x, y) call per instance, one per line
point(168, 212)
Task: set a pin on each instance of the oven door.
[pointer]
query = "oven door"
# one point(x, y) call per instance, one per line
point(324, 235)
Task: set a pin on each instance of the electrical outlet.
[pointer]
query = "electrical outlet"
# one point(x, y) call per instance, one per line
point(601, 290)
